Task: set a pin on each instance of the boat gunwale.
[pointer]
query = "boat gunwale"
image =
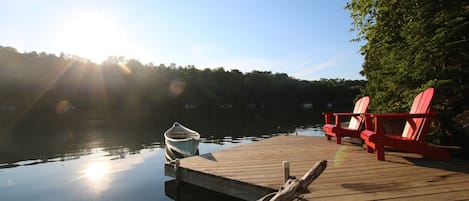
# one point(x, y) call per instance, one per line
point(191, 137)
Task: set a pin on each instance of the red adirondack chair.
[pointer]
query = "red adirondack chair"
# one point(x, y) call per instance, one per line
point(355, 124)
point(413, 136)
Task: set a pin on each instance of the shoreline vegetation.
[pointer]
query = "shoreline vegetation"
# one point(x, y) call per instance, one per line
point(409, 46)
point(41, 85)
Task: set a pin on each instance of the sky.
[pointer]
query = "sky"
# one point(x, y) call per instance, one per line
point(307, 39)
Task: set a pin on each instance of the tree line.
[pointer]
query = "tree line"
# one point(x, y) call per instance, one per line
point(39, 82)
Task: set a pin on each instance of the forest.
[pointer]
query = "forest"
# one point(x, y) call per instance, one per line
point(412, 45)
point(49, 86)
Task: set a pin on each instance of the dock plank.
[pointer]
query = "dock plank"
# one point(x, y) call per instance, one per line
point(251, 170)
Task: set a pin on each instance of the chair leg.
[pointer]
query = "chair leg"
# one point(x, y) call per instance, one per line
point(338, 139)
point(380, 152)
point(328, 137)
point(369, 149)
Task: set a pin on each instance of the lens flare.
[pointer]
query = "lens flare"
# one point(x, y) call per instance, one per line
point(340, 156)
point(177, 87)
point(126, 70)
point(62, 107)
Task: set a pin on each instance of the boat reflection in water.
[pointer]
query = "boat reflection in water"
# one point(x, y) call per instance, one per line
point(181, 142)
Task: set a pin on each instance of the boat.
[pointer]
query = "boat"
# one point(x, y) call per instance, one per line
point(181, 142)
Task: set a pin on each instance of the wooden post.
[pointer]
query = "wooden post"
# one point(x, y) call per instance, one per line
point(177, 171)
point(286, 170)
point(177, 177)
point(293, 187)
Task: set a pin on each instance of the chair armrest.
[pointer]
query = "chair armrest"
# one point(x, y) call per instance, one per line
point(338, 115)
point(346, 114)
point(400, 115)
point(379, 118)
point(343, 114)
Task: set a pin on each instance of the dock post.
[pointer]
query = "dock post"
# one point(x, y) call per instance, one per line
point(286, 170)
point(177, 173)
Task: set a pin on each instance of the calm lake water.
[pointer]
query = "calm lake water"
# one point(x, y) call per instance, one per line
point(118, 159)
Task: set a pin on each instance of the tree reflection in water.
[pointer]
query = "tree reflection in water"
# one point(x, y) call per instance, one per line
point(115, 161)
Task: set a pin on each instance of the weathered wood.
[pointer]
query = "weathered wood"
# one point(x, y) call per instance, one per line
point(230, 187)
point(293, 187)
point(351, 174)
point(313, 173)
point(286, 170)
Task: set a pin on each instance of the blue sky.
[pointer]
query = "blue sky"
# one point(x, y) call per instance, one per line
point(307, 39)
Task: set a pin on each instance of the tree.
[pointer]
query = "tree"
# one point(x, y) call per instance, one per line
point(411, 45)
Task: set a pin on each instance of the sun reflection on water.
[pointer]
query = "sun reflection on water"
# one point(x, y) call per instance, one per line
point(98, 176)
point(96, 171)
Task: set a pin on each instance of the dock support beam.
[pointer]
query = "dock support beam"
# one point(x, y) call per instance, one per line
point(177, 177)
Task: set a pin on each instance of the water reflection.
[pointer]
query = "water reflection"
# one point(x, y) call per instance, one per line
point(70, 137)
point(97, 175)
point(113, 160)
point(101, 168)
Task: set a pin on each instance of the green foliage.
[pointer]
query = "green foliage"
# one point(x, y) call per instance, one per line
point(411, 45)
point(37, 82)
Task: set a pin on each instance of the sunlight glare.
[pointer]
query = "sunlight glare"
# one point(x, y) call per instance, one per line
point(93, 36)
point(126, 70)
point(340, 156)
point(98, 176)
point(96, 171)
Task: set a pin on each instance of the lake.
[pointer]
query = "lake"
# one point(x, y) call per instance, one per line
point(122, 158)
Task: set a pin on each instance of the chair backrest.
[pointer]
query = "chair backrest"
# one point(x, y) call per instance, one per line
point(360, 107)
point(421, 105)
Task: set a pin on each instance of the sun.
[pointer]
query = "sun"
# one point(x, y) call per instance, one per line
point(92, 36)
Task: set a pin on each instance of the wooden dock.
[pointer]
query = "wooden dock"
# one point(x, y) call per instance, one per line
point(252, 170)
